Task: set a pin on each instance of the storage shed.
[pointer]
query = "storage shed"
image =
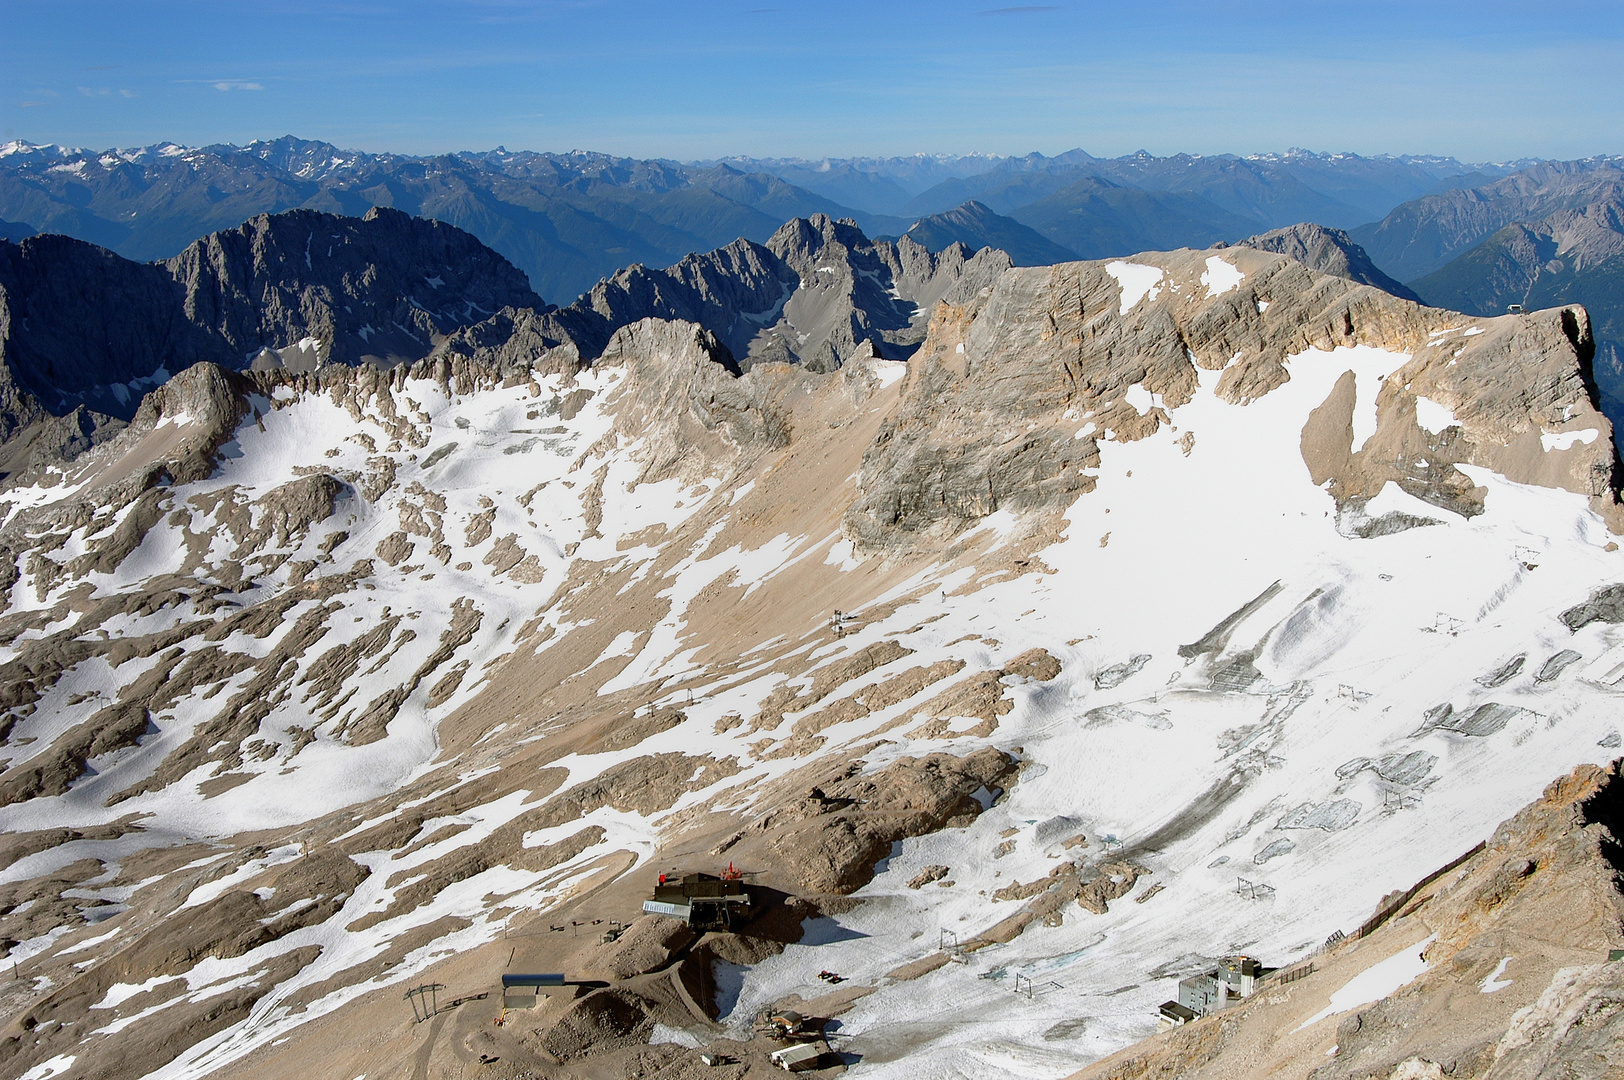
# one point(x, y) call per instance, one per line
point(797, 1058)
point(1172, 1015)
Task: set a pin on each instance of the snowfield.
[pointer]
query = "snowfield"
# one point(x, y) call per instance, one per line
point(1250, 696)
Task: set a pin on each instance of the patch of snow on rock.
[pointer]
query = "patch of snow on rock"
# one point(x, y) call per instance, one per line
point(1220, 276)
point(1136, 280)
point(1494, 983)
point(1433, 416)
point(1562, 440)
point(1376, 982)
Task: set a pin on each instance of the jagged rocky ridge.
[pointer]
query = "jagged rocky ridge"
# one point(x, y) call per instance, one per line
point(323, 679)
point(82, 327)
point(566, 220)
point(83, 333)
point(817, 292)
point(1330, 251)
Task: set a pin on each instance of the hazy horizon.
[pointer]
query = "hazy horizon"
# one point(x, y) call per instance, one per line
point(832, 157)
point(1479, 82)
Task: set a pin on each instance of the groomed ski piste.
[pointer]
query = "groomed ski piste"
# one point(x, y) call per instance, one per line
point(1297, 742)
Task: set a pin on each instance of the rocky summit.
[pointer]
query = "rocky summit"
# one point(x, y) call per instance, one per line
point(830, 643)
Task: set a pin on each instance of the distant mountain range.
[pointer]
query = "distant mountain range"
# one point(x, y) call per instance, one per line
point(1572, 255)
point(1273, 189)
point(1422, 235)
point(1343, 189)
point(568, 220)
point(1474, 237)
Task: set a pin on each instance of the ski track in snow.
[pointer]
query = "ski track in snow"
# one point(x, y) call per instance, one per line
point(1348, 652)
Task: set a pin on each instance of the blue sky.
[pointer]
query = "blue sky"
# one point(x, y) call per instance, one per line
point(1484, 81)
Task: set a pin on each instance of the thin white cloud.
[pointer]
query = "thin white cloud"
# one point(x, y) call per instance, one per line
point(237, 84)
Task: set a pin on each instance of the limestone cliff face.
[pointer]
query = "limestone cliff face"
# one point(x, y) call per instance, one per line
point(1006, 401)
point(682, 401)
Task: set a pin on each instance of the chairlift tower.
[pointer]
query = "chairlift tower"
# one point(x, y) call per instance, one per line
point(1253, 890)
point(425, 1001)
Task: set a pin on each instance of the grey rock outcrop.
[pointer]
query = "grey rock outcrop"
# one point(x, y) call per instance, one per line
point(380, 288)
point(683, 399)
point(815, 294)
point(735, 292)
point(1330, 251)
point(855, 291)
point(514, 342)
point(976, 226)
point(82, 328)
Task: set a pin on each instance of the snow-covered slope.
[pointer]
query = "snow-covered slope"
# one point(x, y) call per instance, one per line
point(1221, 608)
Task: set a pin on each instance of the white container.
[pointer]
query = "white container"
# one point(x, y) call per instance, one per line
point(797, 1057)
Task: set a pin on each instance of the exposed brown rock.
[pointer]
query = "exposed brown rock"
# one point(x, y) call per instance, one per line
point(395, 548)
point(646, 945)
point(112, 728)
point(833, 842)
point(928, 875)
point(603, 1020)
